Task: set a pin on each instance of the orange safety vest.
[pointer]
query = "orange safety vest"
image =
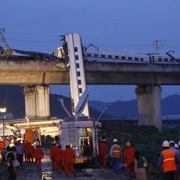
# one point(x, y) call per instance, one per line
point(116, 151)
point(169, 163)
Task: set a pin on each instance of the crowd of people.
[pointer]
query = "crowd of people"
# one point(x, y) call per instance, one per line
point(136, 164)
point(24, 151)
point(62, 158)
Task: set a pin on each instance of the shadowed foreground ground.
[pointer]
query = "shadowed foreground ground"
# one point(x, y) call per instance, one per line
point(29, 172)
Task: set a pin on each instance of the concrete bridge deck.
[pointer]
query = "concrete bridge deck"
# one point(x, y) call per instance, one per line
point(31, 72)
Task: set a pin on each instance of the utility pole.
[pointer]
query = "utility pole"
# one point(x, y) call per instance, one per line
point(157, 45)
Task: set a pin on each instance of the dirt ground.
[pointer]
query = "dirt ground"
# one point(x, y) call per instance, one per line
point(29, 172)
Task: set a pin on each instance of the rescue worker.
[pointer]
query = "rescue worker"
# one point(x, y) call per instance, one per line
point(3, 154)
point(19, 152)
point(24, 145)
point(52, 155)
point(11, 164)
point(179, 145)
point(129, 159)
point(38, 155)
point(68, 158)
point(103, 150)
point(167, 160)
point(176, 146)
point(29, 152)
point(58, 156)
point(173, 148)
point(115, 155)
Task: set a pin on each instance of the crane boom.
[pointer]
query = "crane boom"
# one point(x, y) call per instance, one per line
point(5, 42)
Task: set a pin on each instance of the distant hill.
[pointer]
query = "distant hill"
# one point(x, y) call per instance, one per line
point(12, 97)
point(120, 109)
point(171, 105)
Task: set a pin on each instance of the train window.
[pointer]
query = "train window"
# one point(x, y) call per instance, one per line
point(80, 90)
point(78, 73)
point(75, 49)
point(166, 59)
point(142, 59)
point(95, 55)
point(159, 59)
point(103, 56)
point(88, 54)
point(79, 82)
point(129, 58)
point(109, 56)
point(77, 65)
point(136, 59)
point(172, 60)
point(123, 57)
point(76, 57)
point(116, 57)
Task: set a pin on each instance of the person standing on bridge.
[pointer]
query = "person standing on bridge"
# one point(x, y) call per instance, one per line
point(129, 159)
point(103, 150)
point(167, 160)
point(52, 155)
point(38, 154)
point(68, 158)
point(115, 153)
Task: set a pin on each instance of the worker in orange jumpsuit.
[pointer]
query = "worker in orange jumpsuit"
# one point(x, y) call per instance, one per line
point(103, 150)
point(52, 155)
point(24, 145)
point(129, 159)
point(68, 158)
point(29, 152)
point(58, 155)
point(38, 154)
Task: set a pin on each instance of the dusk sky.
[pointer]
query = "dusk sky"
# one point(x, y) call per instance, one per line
point(116, 25)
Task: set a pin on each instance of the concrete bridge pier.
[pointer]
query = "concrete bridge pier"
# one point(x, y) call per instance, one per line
point(37, 101)
point(149, 105)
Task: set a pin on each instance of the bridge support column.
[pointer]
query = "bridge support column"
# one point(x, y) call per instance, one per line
point(37, 101)
point(149, 106)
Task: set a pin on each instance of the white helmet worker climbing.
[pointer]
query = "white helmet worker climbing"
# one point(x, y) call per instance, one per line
point(115, 140)
point(165, 144)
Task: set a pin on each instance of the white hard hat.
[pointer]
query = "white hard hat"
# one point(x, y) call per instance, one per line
point(176, 146)
point(171, 142)
point(165, 143)
point(115, 140)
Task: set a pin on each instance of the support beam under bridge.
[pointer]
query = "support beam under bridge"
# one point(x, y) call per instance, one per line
point(37, 101)
point(149, 105)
